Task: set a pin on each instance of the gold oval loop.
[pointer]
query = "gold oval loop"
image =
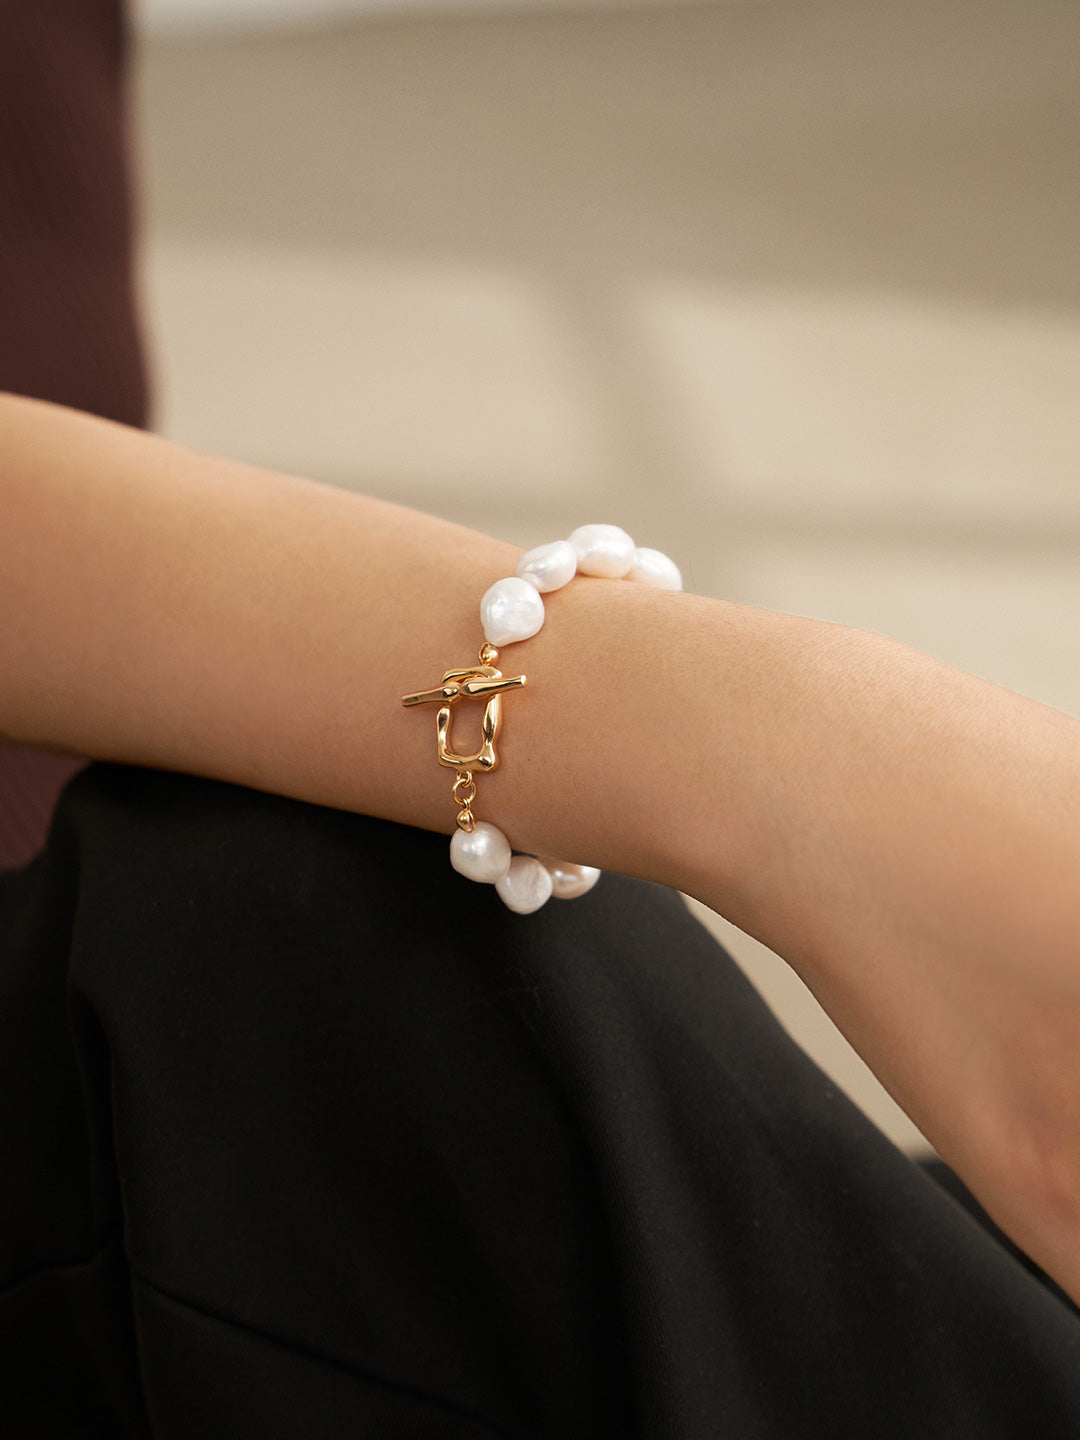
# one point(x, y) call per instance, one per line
point(464, 791)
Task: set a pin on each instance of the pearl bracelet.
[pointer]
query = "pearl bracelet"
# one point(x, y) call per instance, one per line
point(512, 610)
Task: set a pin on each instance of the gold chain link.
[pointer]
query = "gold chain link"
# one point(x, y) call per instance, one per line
point(464, 783)
point(464, 793)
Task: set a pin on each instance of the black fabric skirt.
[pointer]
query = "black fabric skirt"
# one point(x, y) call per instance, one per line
point(304, 1135)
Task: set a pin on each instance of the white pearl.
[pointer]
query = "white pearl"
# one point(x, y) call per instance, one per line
point(511, 610)
point(568, 881)
point(653, 567)
point(549, 567)
point(484, 855)
point(603, 550)
point(525, 886)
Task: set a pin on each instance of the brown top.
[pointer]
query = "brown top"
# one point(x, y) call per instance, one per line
point(68, 323)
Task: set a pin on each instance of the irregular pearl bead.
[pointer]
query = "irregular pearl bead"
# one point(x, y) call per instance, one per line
point(568, 881)
point(603, 550)
point(484, 855)
point(549, 567)
point(526, 885)
point(653, 567)
point(511, 610)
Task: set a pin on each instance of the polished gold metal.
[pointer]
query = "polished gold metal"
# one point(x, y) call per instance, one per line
point(475, 682)
point(464, 792)
point(464, 783)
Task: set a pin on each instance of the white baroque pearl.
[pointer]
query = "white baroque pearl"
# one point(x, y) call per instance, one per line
point(603, 550)
point(653, 567)
point(511, 610)
point(484, 855)
point(568, 881)
point(525, 886)
point(549, 567)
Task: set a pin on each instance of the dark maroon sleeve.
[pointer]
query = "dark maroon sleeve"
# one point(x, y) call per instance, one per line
point(68, 316)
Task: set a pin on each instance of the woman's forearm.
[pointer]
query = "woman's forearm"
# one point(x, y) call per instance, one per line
point(906, 836)
point(172, 609)
point(908, 839)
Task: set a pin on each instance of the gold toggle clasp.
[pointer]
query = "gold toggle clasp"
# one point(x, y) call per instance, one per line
point(473, 682)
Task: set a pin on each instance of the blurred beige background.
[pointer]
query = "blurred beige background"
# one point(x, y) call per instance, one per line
point(790, 291)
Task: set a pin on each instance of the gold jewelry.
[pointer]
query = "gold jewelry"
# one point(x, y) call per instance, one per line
point(474, 682)
point(512, 610)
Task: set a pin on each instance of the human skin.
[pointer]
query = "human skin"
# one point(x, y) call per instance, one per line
point(905, 835)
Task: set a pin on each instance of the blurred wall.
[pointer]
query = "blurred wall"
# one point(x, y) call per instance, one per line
point(177, 17)
point(790, 291)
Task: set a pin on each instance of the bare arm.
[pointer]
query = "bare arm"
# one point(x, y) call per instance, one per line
point(905, 835)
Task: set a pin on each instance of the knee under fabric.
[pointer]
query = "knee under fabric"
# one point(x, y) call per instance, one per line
point(285, 1156)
